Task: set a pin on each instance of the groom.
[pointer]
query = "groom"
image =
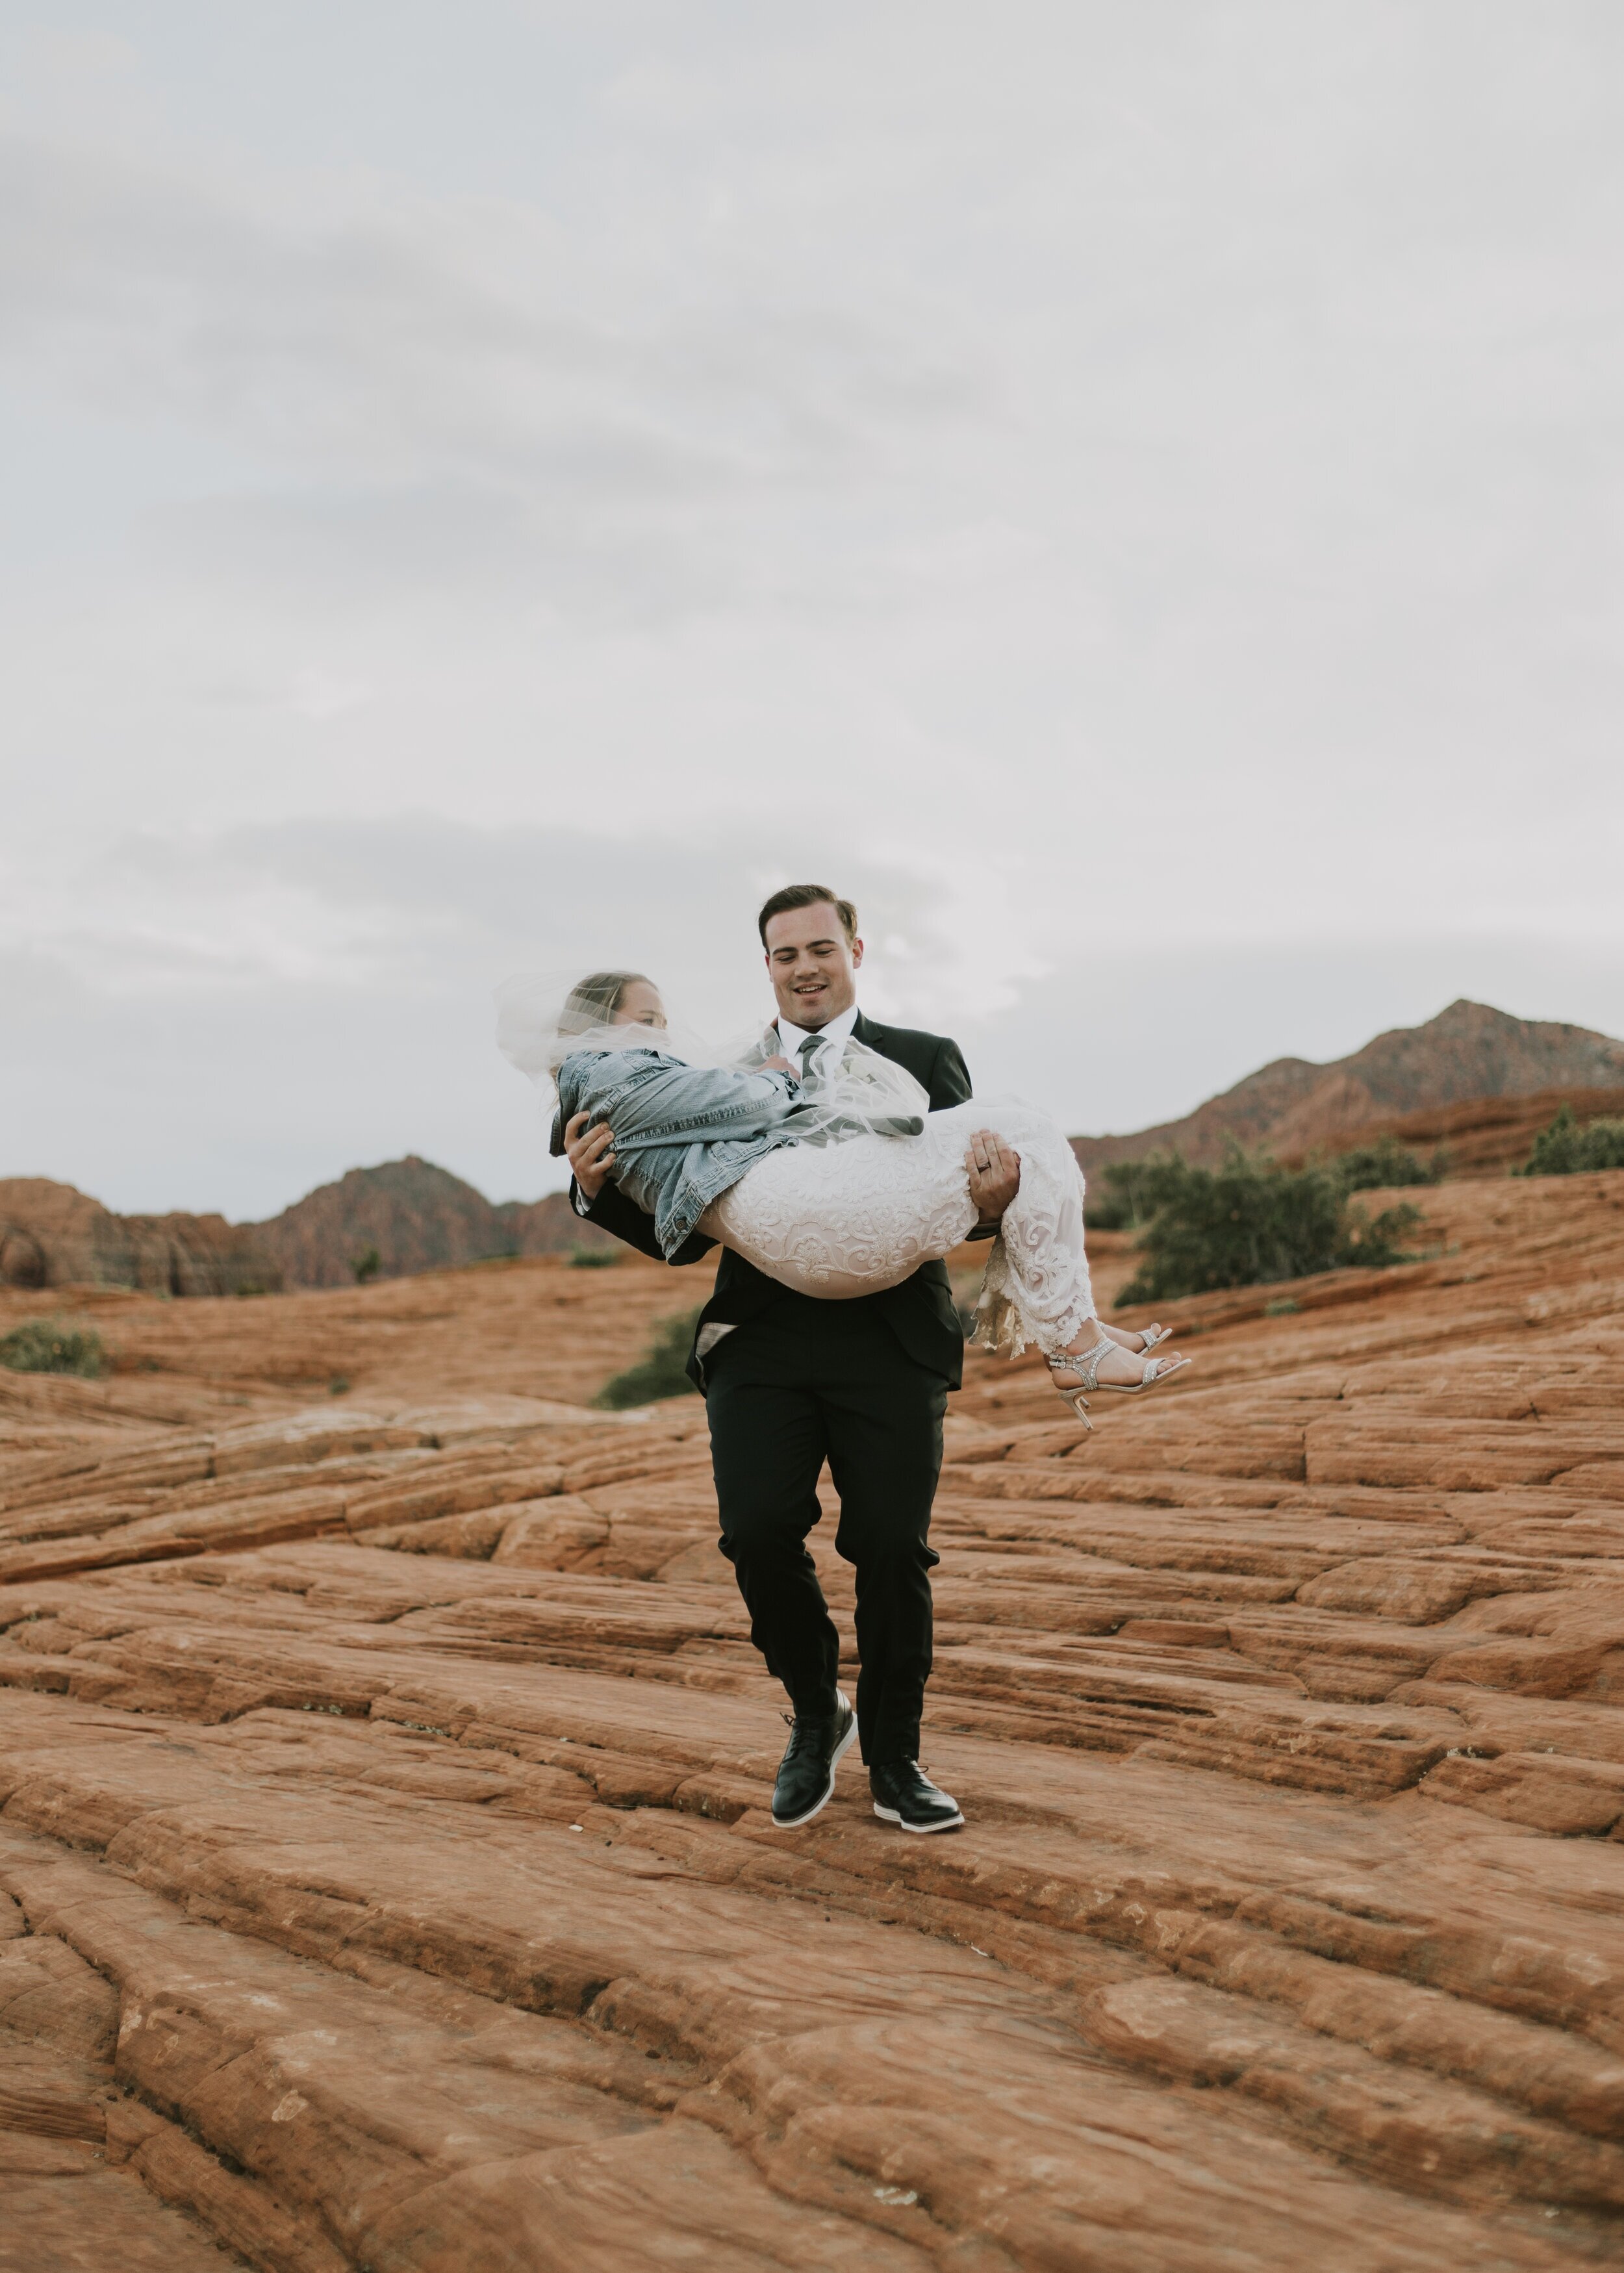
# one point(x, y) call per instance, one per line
point(791, 1381)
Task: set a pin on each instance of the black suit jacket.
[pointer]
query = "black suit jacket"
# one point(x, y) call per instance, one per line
point(920, 1312)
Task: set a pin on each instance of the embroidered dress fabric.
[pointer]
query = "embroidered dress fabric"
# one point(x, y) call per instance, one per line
point(846, 1218)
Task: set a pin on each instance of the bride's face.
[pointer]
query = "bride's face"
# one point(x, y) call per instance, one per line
point(641, 1006)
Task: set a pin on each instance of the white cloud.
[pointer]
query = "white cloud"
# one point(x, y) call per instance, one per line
point(1113, 482)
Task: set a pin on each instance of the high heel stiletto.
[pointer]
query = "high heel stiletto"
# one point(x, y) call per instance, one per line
point(1086, 1366)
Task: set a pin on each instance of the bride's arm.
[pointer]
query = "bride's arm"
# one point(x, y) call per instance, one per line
point(613, 1212)
point(595, 1200)
point(665, 1103)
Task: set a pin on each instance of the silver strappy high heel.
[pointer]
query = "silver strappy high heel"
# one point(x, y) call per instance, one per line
point(1086, 1365)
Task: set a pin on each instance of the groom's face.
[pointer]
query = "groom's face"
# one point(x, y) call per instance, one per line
point(812, 964)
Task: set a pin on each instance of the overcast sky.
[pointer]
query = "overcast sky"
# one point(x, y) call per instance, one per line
point(1130, 493)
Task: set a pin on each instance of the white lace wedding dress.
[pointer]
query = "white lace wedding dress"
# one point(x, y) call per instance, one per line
point(849, 1218)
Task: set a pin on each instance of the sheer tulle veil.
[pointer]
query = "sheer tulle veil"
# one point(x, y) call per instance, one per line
point(543, 1018)
point(544, 1015)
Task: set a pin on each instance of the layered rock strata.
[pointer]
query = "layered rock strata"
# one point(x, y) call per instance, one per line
point(1467, 1055)
point(404, 1217)
point(386, 1866)
point(52, 1235)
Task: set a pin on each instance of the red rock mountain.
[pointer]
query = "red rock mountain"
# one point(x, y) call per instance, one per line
point(52, 1235)
point(419, 1217)
point(416, 1216)
point(1467, 1052)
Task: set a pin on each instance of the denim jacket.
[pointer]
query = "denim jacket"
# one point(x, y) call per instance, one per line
point(683, 1134)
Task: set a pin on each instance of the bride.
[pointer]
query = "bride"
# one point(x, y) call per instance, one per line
point(832, 1176)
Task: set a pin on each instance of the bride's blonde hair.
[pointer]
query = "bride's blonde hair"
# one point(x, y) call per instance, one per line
point(593, 1000)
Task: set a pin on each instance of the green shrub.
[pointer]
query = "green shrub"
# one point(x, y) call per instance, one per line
point(1119, 1207)
point(40, 1347)
point(1565, 1149)
point(659, 1372)
point(1133, 1188)
point(366, 1267)
point(1373, 1167)
point(1250, 1223)
point(594, 1258)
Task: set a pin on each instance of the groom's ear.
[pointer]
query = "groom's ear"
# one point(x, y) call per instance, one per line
point(856, 953)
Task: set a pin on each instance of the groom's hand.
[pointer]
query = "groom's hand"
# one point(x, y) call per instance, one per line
point(589, 1155)
point(994, 1175)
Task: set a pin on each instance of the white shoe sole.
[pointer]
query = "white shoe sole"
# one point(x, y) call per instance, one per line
point(794, 1822)
point(893, 1815)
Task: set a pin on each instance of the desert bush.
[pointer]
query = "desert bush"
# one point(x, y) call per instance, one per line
point(365, 1268)
point(1374, 1167)
point(39, 1346)
point(659, 1372)
point(594, 1258)
point(1250, 1223)
point(1566, 1148)
point(1119, 1205)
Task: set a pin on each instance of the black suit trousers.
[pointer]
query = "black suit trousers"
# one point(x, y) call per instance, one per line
point(801, 1381)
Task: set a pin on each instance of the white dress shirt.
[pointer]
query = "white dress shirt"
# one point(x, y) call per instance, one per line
point(838, 1030)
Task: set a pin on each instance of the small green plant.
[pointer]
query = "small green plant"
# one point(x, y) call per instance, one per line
point(1284, 1306)
point(594, 1258)
point(1118, 1206)
point(1566, 1148)
point(1376, 1167)
point(338, 1386)
point(365, 1268)
point(1248, 1223)
point(41, 1347)
point(659, 1371)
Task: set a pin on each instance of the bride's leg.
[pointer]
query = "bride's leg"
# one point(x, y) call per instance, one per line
point(1043, 1272)
point(1123, 1368)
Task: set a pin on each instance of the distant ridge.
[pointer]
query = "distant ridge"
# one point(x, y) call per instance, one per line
point(416, 1216)
point(419, 1217)
point(1292, 1106)
point(1447, 1081)
point(54, 1235)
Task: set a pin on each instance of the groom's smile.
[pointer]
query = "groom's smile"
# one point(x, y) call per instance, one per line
point(812, 964)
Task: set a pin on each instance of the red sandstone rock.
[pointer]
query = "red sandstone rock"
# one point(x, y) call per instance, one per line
point(415, 1217)
point(387, 1871)
point(1465, 1056)
point(51, 1235)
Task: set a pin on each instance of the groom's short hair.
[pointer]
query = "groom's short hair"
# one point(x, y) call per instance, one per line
point(807, 896)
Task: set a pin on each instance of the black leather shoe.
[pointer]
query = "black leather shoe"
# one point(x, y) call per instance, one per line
point(806, 1772)
point(904, 1795)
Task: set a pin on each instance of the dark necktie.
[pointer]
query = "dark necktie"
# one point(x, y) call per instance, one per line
point(808, 1051)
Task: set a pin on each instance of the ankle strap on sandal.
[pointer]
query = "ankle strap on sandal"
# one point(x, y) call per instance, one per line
point(1087, 1366)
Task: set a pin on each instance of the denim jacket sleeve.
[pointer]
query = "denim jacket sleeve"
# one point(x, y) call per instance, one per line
point(683, 1134)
